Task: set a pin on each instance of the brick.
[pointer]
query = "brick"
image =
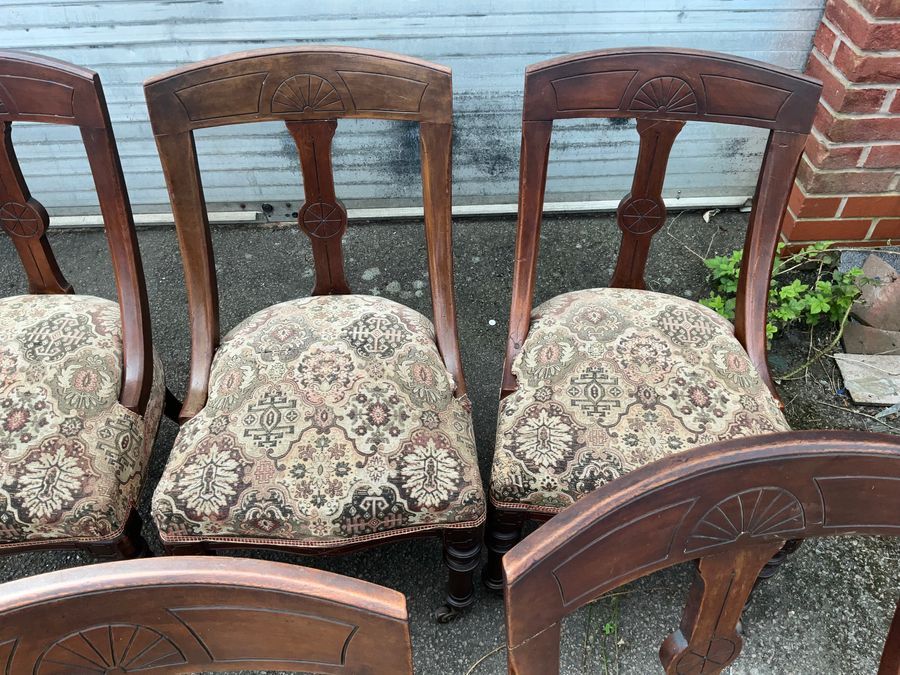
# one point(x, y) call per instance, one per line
point(807, 206)
point(826, 155)
point(844, 96)
point(867, 67)
point(862, 339)
point(788, 222)
point(884, 157)
point(818, 181)
point(885, 9)
point(866, 33)
point(824, 41)
point(834, 228)
point(887, 228)
point(844, 128)
point(872, 205)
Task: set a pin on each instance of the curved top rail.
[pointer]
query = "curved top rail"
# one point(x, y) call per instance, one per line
point(673, 84)
point(41, 89)
point(181, 615)
point(298, 83)
point(711, 500)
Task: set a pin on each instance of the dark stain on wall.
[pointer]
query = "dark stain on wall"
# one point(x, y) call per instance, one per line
point(481, 142)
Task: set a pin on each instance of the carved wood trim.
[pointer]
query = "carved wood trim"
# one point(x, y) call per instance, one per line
point(186, 614)
point(322, 217)
point(672, 84)
point(308, 83)
point(25, 221)
point(732, 505)
point(642, 213)
point(39, 89)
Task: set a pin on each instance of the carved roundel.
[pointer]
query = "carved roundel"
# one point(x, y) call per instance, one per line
point(758, 513)
point(306, 93)
point(21, 220)
point(665, 94)
point(641, 216)
point(322, 220)
point(115, 648)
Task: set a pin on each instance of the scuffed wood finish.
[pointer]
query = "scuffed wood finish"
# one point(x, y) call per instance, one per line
point(39, 89)
point(185, 615)
point(732, 505)
point(322, 216)
point(642, 213)
point(309, 88)
point(663, 89)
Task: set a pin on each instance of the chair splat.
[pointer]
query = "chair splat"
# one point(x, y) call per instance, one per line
point(642, 213)
point(25, 221)
point(322, 217)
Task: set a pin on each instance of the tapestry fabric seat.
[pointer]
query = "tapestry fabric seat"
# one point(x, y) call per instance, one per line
point(72, 458)
point(329, 420)
point(612, 379)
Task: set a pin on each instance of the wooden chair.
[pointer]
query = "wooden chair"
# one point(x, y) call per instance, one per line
point(332, 422)
point(730, 505)
point(187, 615)
point(601, 381)
point(80, 391)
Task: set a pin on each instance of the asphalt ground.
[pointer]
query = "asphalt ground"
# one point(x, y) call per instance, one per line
point(828, 609)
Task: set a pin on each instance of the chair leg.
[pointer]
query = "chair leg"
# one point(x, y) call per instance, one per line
point(504, 532)
point(172, 406)
point(130, 545)
point(462, 553)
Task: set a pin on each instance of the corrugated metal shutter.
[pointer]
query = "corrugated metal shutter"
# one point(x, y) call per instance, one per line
point(488, 45)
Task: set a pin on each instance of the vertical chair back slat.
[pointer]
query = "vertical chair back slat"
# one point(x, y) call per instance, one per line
point(732, 505)
point(663, 89)
point(309, 89)
point(186, 615)
point(40, 89)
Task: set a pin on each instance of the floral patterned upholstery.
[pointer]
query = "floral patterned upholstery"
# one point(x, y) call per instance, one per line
point(329, 420)
point(612, 379)
point(72, 458)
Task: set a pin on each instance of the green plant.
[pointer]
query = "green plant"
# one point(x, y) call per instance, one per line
point(806, 288)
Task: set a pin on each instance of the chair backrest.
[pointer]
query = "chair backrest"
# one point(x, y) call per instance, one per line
point(308, 88)
point(663, 89)
point(39, 89)
point(732, 505)
point(192, 614)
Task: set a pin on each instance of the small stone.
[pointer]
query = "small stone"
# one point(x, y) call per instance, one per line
point(370, 273)
point(492, 323)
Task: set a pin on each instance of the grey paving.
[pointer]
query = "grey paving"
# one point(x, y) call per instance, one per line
point(827, 612)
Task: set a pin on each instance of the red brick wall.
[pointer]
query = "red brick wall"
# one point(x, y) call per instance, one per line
point(848, 183)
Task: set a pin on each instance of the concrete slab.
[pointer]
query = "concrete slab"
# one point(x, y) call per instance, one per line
point(826, 612)
point(871, 379)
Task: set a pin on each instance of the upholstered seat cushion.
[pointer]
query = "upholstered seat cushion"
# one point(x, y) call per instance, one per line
point(329, 419)
point(612, 379)
point(72, 458)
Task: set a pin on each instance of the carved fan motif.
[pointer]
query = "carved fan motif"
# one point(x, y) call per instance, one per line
point(641, 216)
point(665, 94)
point(116, 648)
point(20, 220)
point(322, 220)
point(756, 513)
point(306, 93)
